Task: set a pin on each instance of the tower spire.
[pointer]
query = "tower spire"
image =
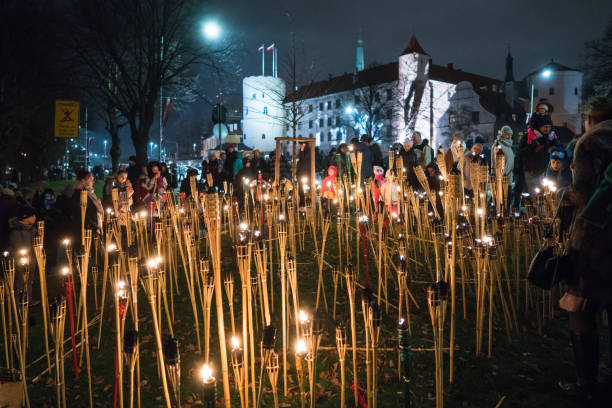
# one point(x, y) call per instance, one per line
point(359, 63)
point(509, 63)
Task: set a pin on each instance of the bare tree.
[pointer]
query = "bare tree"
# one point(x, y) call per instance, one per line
point(152, 44)
point(597, 65)
point(372, 112)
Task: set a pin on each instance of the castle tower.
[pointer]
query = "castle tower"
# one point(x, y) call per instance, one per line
point(413, 76)
point(509, 85)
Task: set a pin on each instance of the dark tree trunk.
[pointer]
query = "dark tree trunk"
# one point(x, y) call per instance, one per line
point(113, 126)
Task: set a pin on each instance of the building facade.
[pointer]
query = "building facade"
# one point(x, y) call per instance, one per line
point(263, 113)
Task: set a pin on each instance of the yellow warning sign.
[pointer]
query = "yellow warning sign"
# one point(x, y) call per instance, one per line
point(67, 119)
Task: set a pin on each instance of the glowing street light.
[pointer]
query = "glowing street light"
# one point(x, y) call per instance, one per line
point(547, 73)
point(349, 110)
point(211, 30)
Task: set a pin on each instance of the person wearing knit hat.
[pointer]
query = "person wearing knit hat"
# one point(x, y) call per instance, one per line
point(503, 145)
point(558, 170)
point(533, 152)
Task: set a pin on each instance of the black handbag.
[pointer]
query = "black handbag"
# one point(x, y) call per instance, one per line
point(543, 270)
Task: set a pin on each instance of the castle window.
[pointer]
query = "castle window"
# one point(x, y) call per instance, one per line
point(263, 135)
point(309, 108)
point(246, 111)
point(338, 136)
point(329, 137)
point(389, 94)
point(265, 110)
point(575, 91)
point(263, 95)
point(310, 124)
point(300, 125)
point(329, 121)
point(329, 105)
point(254, 96)
point(338, 103)
point(322, 137)
point(551, 91)
point(321, 106)
point(475, 117)
point(321, 122)
point(356, 99)
point(337, 120)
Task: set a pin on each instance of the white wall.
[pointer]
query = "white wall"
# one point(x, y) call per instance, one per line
point(566, 99)
point(263, 111)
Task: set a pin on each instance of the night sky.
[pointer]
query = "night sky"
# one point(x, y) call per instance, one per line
point(473, 35)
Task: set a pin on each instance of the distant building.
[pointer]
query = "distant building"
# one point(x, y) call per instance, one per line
point(263, 114)
point(393, 100)
point(559, 84)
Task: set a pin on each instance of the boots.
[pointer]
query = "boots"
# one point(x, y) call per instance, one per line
point(586, 358)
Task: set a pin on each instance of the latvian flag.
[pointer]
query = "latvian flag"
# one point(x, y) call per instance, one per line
point(270, 48)
point(261, 48)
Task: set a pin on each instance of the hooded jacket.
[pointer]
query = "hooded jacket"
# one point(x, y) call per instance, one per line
point(329, 188)
point(504, 146)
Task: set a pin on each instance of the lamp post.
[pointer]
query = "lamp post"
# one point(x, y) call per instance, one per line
point(105, 142)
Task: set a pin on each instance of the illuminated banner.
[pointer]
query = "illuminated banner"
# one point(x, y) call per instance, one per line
point(67, 119)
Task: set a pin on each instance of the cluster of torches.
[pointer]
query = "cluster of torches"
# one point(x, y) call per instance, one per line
point(150, 246)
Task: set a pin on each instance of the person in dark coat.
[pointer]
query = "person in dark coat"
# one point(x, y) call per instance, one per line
point(8, 204)
point(22, 230)
point(228, 165)
point(377, 157)
point(259, 165)
point(186, 183)
point(133, 170)
point(343, 162)
point(409, 160)
point(533, 152)
point(94, 213)
point(588, 263)
point(367, 170)
point(244, 178)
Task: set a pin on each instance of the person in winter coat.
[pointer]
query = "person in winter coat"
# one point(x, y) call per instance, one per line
point(155, 185)
point(343, 163)
point(258, 164)
point(377, 157)
point(588, 263)
point(186, 183)
point(22, 227)
point(94, 212)
point(558, 171)
point(244, 178)
point(503, 145)
point(454, 154)
point(389, 192)
point(533, 152)
point(119, 181)
point(133, 171)
point(231, 155)
point(329, 190)
point(424, 153)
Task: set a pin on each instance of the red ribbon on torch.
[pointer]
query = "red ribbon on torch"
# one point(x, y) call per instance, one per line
point(67, 285)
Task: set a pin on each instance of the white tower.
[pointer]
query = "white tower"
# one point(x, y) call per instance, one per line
point(412, 80)
point(562, 86)
point(263, 111)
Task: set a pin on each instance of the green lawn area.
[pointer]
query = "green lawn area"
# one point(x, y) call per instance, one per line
point(523, 370)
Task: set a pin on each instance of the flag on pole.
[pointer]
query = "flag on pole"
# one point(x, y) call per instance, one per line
point(270, 48)
point(261, 48)
point(167, 111)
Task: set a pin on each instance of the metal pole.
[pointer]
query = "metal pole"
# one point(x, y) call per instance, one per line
point(531, 108)
point(86, 143)
point(161, 100)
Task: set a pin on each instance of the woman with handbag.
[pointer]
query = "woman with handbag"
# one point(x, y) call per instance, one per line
point(589, 258)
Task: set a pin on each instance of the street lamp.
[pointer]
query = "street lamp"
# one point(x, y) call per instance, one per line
point(150, 148)
point(194, 149)
point(211, 30)
point(349, 110)
point(546, 74)
point(105, 142)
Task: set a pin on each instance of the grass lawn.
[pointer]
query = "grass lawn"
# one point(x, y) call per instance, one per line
point(524, 369)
